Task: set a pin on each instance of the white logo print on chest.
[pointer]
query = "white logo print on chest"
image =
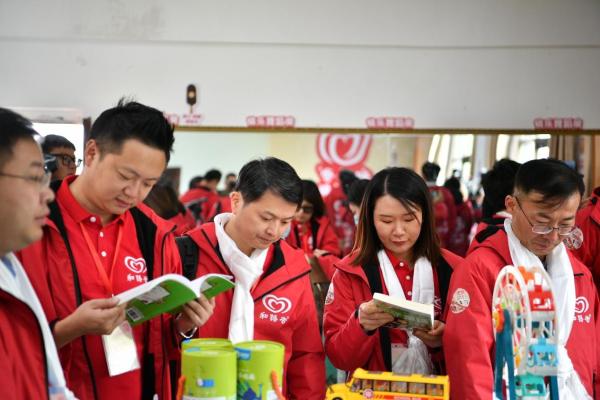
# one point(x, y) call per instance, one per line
point(277, 305)
point(135, 265)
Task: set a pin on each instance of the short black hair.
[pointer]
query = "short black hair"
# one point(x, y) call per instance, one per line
point(195, 181)
point(231, 174)
point(498, 183)
point(430, 171)
point(52, 142)
point(357, 191)
point(553, 179)
point(310, 193)
point(258, 176)
point(347, 178)
point(132, 120)
point(213, 175)
point(13, 128)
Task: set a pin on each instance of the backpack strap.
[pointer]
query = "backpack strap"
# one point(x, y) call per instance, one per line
point(190, 255)
point(145, 230)
point(372, 272)
point(444, 273)
point(487, 232)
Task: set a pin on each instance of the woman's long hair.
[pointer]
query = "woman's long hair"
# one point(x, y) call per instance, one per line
point(408, 188)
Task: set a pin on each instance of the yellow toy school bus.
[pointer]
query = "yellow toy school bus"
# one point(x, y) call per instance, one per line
point(388, 385)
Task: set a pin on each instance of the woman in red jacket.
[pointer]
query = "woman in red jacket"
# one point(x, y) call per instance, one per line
point(312, 232)
point(396, 252)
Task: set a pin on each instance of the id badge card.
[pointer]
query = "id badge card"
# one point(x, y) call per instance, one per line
point(120, 350)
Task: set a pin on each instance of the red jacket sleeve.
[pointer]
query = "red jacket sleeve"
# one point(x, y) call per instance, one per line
point(468, 338)
point(597, 344)
point(306, 368)
point(331, 244)
point(346, 343)
point(32, 258)
point(327, 263)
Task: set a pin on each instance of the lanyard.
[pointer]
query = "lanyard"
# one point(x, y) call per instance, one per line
point(106, 280)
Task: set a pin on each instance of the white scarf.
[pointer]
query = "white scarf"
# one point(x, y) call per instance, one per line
point(416, 358)
point(563, 284)
point(246, 271)
point(20, 287)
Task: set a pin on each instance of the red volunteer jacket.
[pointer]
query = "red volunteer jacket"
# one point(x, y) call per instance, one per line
point(444, 210)
point(284, 312)
point(61, 289)
point(469, 338)
point(183, 222)
point(342, 220)
point(346, 343)
point(459, 240)
point(201, 201)
point(22, 352)
point(321, 236)
point(588, 220)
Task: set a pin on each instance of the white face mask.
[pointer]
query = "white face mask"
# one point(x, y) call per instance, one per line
point(355, 219)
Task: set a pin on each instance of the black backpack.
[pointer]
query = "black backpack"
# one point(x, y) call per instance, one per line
point(190, 255)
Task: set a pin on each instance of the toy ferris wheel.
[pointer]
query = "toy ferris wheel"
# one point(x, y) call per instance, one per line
point(524, 320)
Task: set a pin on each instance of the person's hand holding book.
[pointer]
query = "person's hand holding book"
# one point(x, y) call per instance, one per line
point(372, 317)
point(433, 337)
point(195, 313)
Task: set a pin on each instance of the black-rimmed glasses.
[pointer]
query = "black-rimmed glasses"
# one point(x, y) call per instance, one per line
point(43, 181)
point(67, 160)
point(545, 229)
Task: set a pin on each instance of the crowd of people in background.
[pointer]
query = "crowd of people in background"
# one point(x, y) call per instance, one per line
point(69, 242)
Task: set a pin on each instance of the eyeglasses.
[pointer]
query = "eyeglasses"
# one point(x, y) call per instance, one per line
point(545, 229)
point(42, 181)
point(307, 209)
point(68, 160)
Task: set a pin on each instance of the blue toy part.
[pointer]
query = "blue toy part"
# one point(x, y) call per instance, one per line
point(543, 358)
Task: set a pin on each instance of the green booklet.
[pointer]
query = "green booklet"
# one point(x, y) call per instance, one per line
point(407, 314)
point(169, 293)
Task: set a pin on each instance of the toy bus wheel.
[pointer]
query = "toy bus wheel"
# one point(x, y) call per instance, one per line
point(337, 398)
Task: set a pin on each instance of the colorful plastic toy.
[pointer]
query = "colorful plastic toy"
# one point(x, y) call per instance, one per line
point(524, 318)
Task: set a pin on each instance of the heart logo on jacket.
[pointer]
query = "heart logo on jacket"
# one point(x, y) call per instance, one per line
point(581, 305)
point(277, 305)
point(136, 265)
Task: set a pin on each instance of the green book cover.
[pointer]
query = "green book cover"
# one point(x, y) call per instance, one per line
point(169, 293)
point(407, 314)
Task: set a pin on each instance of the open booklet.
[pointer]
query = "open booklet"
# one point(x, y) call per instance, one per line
point(407, 314)
point(169, 293)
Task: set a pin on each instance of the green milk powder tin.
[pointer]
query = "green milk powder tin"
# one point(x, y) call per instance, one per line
point(210, 374)
point(207, 343)
point(259, 362)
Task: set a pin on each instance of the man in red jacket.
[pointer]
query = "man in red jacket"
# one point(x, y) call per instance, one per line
point(543, 208)
point(28, 358)
point(272, 299)
point(101, 241)
point(588, 220)
point(444, 208)
point(201, 200)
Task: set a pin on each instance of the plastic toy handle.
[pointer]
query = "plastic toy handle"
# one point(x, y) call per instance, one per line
point(180, 384)
point(276, 387)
